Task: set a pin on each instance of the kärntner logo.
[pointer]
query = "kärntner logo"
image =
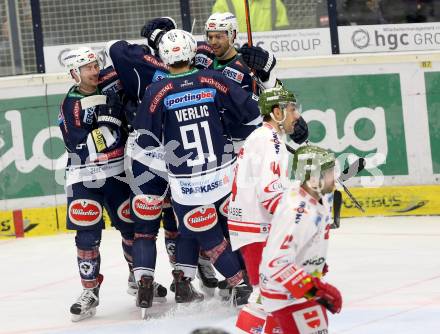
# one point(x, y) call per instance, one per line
point(360, 38)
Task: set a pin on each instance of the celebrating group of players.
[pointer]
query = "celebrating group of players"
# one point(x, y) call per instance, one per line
point(192, 135)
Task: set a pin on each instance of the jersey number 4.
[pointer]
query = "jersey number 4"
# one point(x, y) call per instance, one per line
point(197, 143)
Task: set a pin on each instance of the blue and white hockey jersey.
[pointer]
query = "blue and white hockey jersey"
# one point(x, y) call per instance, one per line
point(78, 120)
point(188, 116)
point(136, 66)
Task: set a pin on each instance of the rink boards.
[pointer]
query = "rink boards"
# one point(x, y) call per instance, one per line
point(379, 106)
point(384, 201)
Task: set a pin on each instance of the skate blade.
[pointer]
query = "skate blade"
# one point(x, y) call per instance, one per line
point(144, 313)
point(157, 311)
point(78, 317)
point(224, 293)
point(208, 292)
point(159, 299)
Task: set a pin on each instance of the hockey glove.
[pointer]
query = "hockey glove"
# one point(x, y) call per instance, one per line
point(258, 59)
point(302, 285)
point(327, 295)
point(155, 29)
point(111, 114)
point(300, 131)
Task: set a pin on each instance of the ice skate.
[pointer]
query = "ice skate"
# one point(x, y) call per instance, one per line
point(206, 275)
point(85, 306)
point(160, 293)
point(237, 295)
point(132, 287)
point(145, 294)
point(185, 291)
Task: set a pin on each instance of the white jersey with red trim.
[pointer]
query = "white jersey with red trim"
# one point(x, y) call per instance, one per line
point(260, 177)
point(298, 239)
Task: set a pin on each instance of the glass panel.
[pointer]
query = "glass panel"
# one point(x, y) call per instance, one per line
point(82, 21)
point(5, 42)
point(290, 14)
point(367, 12)
point(17, 53)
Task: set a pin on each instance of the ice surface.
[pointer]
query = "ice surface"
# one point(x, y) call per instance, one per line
point(387, 268)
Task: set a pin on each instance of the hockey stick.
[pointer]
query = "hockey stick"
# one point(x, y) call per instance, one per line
point(248, 22)
point(348, 173)
point(256, 81)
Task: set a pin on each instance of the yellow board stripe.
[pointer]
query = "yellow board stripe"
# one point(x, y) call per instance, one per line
point(384, 201)
point(393, 201)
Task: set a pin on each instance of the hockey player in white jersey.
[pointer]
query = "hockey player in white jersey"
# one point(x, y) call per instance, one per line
point(260, 177)
point(260, 174)
point(296, 249)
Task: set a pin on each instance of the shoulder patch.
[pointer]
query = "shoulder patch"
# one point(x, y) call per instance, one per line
point(214, 83)
point(159, 96)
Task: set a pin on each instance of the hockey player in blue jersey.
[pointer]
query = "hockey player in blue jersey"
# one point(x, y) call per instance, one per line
point(108, 84)
point(249, 66)
point(182, 134)
point(138, 66)
point(94, 131)
point(94, 137)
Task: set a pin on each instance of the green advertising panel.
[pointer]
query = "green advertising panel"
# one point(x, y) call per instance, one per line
point(359, 114)
point(432, 81)
point(30, 144)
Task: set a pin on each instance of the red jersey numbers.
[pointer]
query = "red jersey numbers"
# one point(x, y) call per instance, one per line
point(327, 232)
point(287, 241)
point(275, 168)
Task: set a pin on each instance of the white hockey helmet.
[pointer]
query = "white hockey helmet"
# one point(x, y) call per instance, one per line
point(177, 45)
point(79, 57)
point(223, 22)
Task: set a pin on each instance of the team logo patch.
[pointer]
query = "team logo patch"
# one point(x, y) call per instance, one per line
point(203, 60)
point(233, 74)
point(273, 187)
point(124, 212)
point(201, 219)
point(89, 114)
point(310, 320)
point(86, 268)
point(147, 207)
point(189, 98)
point(85, 212)
point(158, 75)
